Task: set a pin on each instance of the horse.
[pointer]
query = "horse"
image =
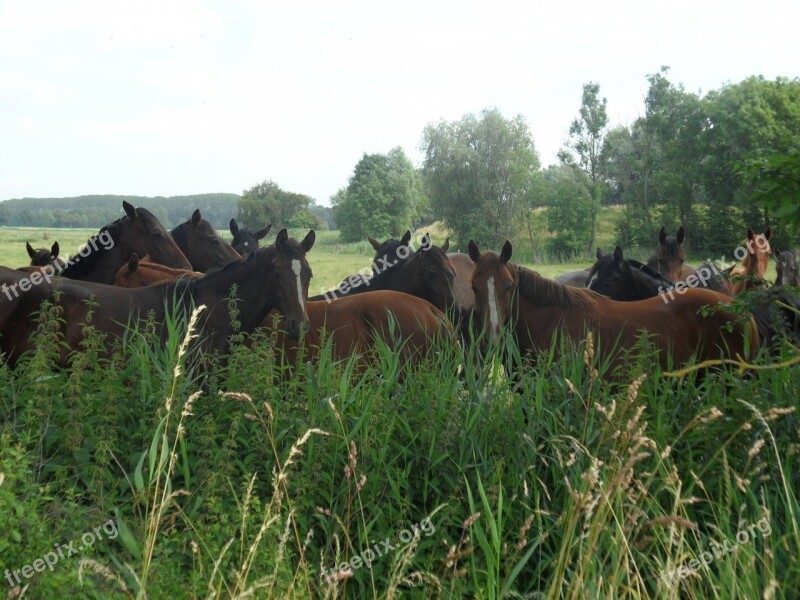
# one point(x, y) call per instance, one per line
point(43, 257)
point(574, 278)
point(245, 240)
point(624, 279)
point(272, 278)
point(462, 267)
point(407, 324)
point(539, 308)
point(426, 273)
point(140, 273)
point(752, 271)
point(138, 231)
point(202, 245)
point(787, 267)
point(670, 257)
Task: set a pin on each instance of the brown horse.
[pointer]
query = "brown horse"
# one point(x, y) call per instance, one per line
point(273, 278)
point(245, 241)
point(670, 257)
point(538, 308)
point(752, 271)
point(202, 245)
point(426, 273)
point(407, 324)
point(138, 231)
point(43, 257)
point(140, 273)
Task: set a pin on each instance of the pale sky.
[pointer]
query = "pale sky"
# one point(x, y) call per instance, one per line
point(185, 97)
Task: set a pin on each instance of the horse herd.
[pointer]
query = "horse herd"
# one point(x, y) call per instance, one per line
point(412, 296)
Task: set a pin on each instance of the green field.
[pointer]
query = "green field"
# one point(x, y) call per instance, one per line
point(450, 479)
point(330, 260)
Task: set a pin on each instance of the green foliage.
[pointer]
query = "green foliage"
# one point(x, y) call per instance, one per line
point(254, 479)
point(383, 198)
point(266, 203)
point(570, 210)
point(479, 173)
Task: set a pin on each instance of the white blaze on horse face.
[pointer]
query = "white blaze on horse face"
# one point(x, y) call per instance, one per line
point(494, 320)
point(591, 282)
point(296, 268)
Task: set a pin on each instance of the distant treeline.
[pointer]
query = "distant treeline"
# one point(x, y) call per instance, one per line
point(96, 211)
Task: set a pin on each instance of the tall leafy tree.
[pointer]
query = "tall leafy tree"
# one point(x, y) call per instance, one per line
point(567, 195)
point(384, 197)
point(267, 203)
point(583, 150)
point(479, 172)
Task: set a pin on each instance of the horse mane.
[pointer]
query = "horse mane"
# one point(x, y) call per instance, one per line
point(81, 266)
point(549, 293)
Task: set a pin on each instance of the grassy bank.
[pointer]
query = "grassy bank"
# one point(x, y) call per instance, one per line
point(446, 480)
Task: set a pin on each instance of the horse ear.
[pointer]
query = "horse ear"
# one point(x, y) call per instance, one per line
point(680, 236)
point(599, 254)
point(308, 241)
point(662, 235)
point(196, 217)
point(406, 237)
point(280, 241)
point(129, 209)
point(446, 245)
point(750, 233)
point(233, 227)
point(133, 263)
point(472, 249)
point(505, 253)
point(768, 233)
point(29, 248)
point(374, 243)
point(54, 249)
point(262, 232)
point(618, 254)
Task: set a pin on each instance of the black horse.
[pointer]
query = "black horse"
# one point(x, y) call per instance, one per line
point(624, 279)
point(245, 240)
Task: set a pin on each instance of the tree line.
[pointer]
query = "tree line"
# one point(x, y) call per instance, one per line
point(712, 164)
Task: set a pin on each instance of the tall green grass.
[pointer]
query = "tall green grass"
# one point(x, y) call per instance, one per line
point(260, 478)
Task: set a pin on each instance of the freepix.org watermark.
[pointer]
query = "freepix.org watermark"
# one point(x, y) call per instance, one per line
point(709, 270)
point(381, 264)
point(378, 550)
point(49, 271)
point(61, 552)
point(719, 550)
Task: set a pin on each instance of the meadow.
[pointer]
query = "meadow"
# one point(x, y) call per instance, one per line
point(262, 479)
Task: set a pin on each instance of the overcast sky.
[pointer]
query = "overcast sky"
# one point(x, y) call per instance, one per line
point(171, 98)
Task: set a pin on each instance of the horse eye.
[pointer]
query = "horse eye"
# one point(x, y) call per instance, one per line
point(157, 233)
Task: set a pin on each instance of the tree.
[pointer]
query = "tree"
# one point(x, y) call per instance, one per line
point(479, 173)
point(384, 197)
point(570, 209)
point(267, 203)
point(584, 148)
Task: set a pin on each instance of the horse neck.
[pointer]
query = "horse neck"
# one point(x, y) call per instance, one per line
point(103, 263)
point(255, 293)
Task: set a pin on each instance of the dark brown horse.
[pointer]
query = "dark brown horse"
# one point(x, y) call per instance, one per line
point(426, 273)
point(273, 278)
point(407, 324)
point(752, 271)
point(202, 245)
point(245, 240)
point(538, 308)
point(140, 273)
point(670, 257)
point(624, 279)
point(138, 231)
point(43, 256)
